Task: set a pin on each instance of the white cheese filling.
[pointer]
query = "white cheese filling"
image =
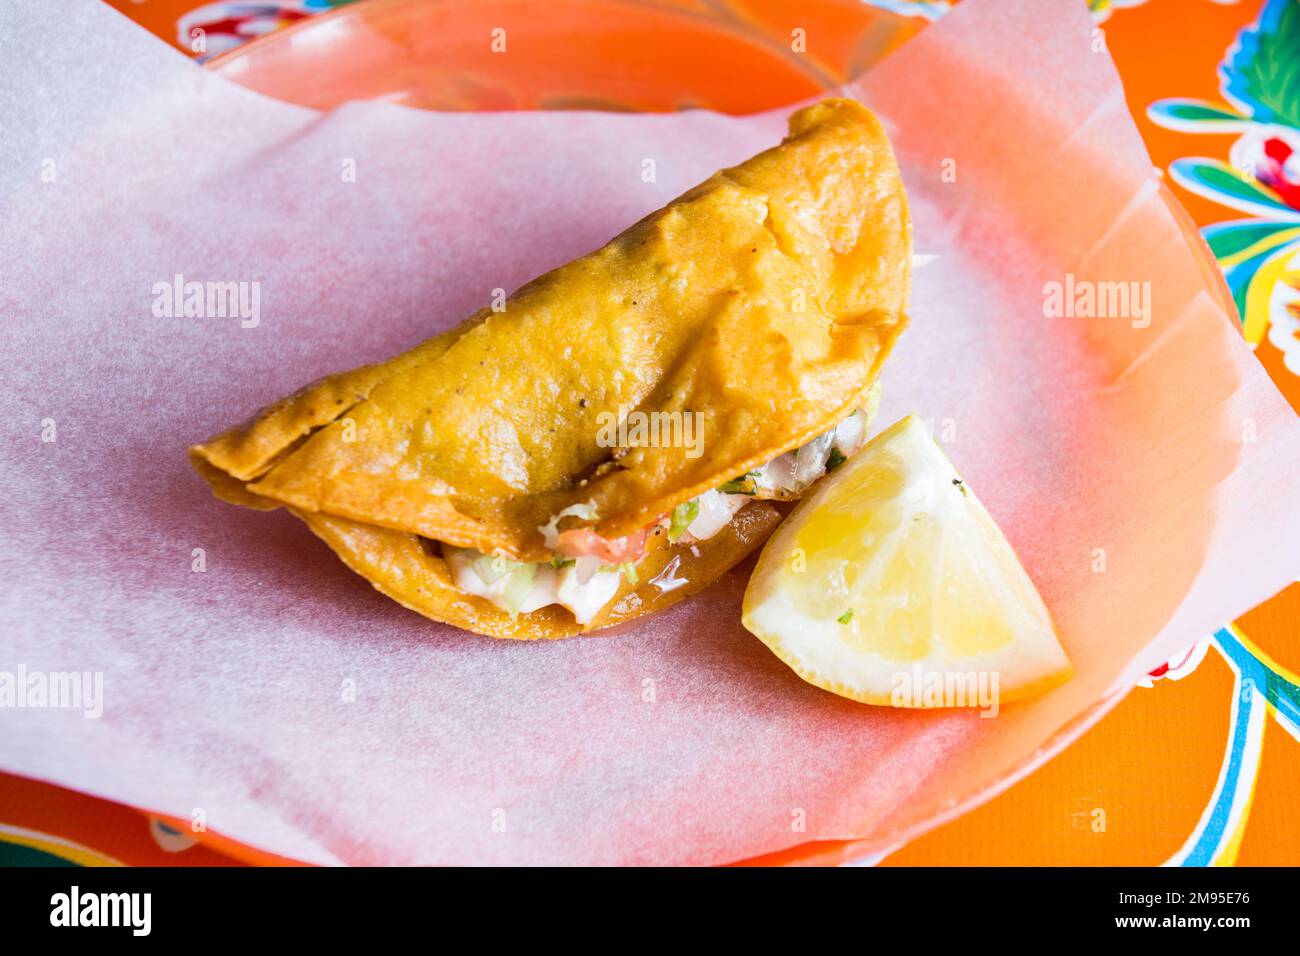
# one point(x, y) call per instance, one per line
point(520, 588)
point(715, 512)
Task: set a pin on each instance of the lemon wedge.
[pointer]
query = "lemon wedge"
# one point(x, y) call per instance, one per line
point(891, 584)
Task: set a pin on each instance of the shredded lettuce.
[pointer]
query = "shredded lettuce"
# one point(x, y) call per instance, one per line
point(683, 515)
point(517, 588)
point(744, 485)
point(491, 568)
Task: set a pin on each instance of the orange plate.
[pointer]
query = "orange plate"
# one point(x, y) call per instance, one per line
point(739, 57)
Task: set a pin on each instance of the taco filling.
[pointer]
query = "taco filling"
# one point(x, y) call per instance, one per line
point(585, 570)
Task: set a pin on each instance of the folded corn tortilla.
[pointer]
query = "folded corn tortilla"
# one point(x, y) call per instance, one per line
point(761, 303)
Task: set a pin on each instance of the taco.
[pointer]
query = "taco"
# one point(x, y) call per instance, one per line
point(622, 431)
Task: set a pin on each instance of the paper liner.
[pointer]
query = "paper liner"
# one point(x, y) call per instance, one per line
point(278, 699)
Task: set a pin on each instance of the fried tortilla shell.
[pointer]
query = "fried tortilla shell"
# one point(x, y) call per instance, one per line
point(762, 303)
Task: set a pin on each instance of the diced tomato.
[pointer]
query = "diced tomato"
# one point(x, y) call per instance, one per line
point(583, 542)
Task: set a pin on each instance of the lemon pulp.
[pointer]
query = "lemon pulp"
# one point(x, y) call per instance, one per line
point(893, 564)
